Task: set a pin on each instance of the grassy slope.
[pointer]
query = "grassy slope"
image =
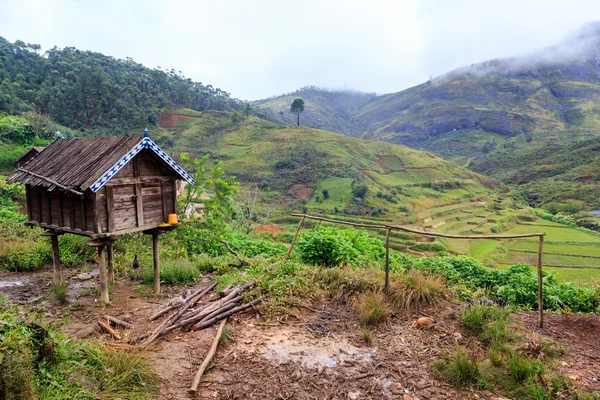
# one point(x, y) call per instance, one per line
point(551, 172)
point(329, 110)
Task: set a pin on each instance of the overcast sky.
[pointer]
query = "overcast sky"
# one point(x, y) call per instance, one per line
point(260, 48)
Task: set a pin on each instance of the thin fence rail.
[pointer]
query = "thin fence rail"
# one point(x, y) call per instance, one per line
point(390, 228)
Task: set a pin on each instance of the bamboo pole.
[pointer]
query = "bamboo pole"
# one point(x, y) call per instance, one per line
point(211, 353)
point(339, 222)
point(156, 263)
point(103, 281)
point(435, 234)
point(387, 261)
point(296, 235)
point(540, 282)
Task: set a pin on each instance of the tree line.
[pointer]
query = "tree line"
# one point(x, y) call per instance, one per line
point(84, 89)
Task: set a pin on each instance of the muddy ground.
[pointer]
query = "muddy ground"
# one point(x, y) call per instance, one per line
point(316, 352)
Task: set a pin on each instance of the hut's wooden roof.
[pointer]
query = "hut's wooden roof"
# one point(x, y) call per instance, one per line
point(34, 150)
point(86, 163)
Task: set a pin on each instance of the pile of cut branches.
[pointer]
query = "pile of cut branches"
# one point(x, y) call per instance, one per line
point(193, 313)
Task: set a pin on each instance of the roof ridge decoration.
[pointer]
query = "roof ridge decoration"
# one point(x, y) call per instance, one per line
point(144, 143)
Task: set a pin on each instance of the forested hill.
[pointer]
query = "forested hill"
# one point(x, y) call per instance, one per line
point(83, 89)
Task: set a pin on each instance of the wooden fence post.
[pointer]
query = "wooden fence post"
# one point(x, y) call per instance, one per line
point(387, 260)
point(540, 282)
point(296, 236)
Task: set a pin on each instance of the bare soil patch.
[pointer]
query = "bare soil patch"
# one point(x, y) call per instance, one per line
point(301, 192)
point(171, 120)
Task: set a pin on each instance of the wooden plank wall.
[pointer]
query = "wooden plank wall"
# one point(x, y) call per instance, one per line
point(61, 209)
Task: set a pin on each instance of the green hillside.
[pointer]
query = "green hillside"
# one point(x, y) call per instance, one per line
point(550, 173)
point(87, 90)
point(330, 110)
point(552, 96)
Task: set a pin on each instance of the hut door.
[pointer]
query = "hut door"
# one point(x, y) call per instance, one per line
point(125, 207)
point(153, 203)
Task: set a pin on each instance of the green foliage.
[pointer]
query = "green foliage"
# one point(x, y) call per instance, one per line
point(37, 361)
point(413, 290)
point(459, 370)
point(517, 285)
point(297, 107)
point(253, 248)
point(522, 368)
point(489, 322)
point(74, 250)
point(172, 272)
point(24, 256)
point(80, 89)
point(329, 246)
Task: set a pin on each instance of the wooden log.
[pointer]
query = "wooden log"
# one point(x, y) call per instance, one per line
point(169, 321)
point(207, 323)
point(540, 283)
point(56, 260)
point(207, 359)
point(58, 185)
point(192, 319)
point(156, 263)
point(205, 314)
point(163, 311)
point(110, 330)
point(116, 321)
point(111, 262)
point(103, 278)
point(387, 261)
point(295, 235)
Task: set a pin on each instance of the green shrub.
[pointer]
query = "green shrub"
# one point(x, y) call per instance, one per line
point(328, 246)
point(459, 370)
point(251, 247)
point(24, 256)
point(522, 368)
point(173, 272)
point(73, 249)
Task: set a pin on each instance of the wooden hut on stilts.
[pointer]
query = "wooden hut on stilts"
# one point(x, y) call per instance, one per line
point(102, 188)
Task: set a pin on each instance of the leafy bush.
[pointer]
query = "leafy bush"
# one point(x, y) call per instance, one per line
point(24, 256)
point(251, 247)
point(517, 285)
point(329, 246)
point(74, 250)
point(173, 272)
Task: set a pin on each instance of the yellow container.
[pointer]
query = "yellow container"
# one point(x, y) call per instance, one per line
point(173, 219)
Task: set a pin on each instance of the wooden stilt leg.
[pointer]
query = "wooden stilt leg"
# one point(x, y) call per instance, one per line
point(156, 263)
point(56, 260)
point(111, 263)
point(103, 278)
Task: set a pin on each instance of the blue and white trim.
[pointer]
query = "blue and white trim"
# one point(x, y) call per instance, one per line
point(144, 143)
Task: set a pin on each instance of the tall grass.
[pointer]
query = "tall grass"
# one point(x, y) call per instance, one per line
point(172, 272)
point(413, 290)
point(372, 308)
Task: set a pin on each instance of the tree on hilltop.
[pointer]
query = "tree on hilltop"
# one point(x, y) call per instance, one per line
point(297, 107)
